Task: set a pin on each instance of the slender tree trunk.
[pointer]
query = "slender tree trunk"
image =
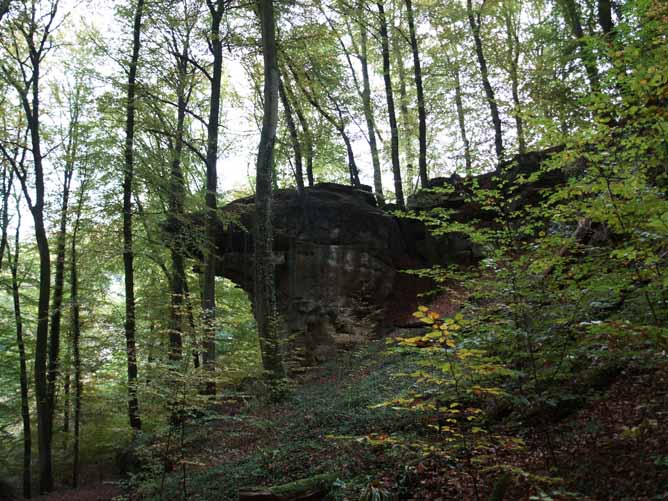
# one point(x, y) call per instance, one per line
point(7, 177)
point(308, 136)
point(76, 342)
point(368, 111)
point(338, 124)
point(394, 133)
point(67, 383)
point(191, 323)
point(23, 371)
point(59, 281)
point(176, 215)
point(128, 253)
point(461, 119)
point(422, 111)
point(475, 23)
point(294, 137)
point(265, 285)
point(44, 413)
point(216, 10)
point(35, 35)
point(352, 165)
point(404, 113)
point(513, 57)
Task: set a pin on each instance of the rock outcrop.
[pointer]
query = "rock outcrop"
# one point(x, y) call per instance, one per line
point(336, 256)
point(339, 257)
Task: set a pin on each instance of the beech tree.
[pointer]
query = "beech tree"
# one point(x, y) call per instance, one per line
point(25, 43)
point(128, 254)
point(475, 23)
point(389, 94)
point(265, 287)
point(422, 111)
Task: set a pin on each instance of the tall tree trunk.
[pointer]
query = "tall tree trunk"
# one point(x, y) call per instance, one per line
point(176, 216)
point(176, 210)
point(461, 119)
point(76, 339)
point(128, 253)
point(59, 281)
point(44, 413)
point(23, 371)
point(34, 37)
point(294, 137)
point(216, 10)
point(514, 56)
point(394, 133)
point(422, 111)
point(404, 113)
point(265, 285)
point(475, 23)
point(368, 110)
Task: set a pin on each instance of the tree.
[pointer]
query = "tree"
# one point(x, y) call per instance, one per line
point(294, 136)
point(422, 112)
point(76, 331)
point(265, 286)
point(71, 140)
point(511, 13)
point(27, 41)
point(216, 10)
point(394, 131)
point(307, 135)
point(13, 262)
point(368, 107)
point(572, 16)
point(128, 254)
point(475, 23)
point(335, 118)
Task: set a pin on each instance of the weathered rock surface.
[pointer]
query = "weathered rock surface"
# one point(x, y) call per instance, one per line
point(338, 256)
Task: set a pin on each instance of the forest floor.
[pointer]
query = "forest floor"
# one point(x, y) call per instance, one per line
point(613, 446)
point(101, 492)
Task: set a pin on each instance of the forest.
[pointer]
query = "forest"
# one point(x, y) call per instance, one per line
point(367, 250)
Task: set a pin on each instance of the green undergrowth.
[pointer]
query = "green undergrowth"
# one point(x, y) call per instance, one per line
point(320, 429)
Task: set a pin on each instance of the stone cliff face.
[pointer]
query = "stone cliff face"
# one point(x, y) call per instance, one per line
point(338, 256)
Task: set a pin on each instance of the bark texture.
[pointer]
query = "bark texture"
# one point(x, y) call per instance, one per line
point(265, 286)
point(128, 253)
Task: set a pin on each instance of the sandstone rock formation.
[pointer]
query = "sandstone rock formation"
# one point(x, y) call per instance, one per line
point(339, 257)
point(336, 255)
